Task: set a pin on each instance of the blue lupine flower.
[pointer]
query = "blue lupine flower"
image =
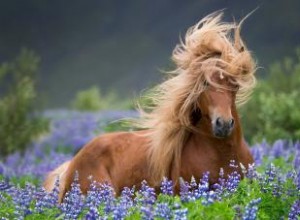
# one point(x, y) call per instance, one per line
point(162, 210)
point(184, 191)
point(73, 201)
point(233, 181)
point(147, 212)
point(295, 211)
point(251, 210)
point(166, 187)
point(92, 214)
point(147, 193)
point(180, 214)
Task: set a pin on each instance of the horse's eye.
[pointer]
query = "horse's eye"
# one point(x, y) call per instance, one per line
point(205, 83)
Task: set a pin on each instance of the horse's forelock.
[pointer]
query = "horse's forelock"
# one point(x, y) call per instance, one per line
point(209, 47)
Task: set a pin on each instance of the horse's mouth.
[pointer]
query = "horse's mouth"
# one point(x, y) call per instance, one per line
point(222, 133)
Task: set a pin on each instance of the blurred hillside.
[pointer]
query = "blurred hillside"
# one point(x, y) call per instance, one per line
point(123, 44)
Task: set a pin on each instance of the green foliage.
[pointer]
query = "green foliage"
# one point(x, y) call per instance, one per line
point(272, 205)
point(273, 112)
point(92, 99)
point(18, 124)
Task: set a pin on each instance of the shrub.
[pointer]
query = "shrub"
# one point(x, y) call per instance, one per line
point(18, 123)
point(273, 111)
point(89, 100)
point(92, 99)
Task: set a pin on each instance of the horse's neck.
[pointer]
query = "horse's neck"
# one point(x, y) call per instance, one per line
point(228, 148)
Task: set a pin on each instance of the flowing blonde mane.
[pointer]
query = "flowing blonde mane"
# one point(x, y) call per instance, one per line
point(208, 47)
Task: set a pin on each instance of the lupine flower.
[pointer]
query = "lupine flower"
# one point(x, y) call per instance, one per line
point(278, 148)
point(147, 212)
point(162, 210)
point(203, 187)
point(295, 211)
point(73, 201)
point(147, 193)
point(233, 181)
point(106, 196)
point(22, 199)
point(92, 214)
point(251, 172)
point(47, 200)
point(180, 214)
point(166, 187)
point(125, 203)
point(251, 210)
point(270, 173)
point(184, 191)
point(4, 185)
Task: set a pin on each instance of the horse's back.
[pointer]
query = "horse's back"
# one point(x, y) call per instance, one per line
point(116, 158)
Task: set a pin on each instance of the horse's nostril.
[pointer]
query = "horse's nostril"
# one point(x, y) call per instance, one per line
point(231, 123)
point(219, 122)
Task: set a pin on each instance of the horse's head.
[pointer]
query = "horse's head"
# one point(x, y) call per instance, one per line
point(217, 103)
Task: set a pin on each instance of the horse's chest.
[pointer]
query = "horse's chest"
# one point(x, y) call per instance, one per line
point(196, 161)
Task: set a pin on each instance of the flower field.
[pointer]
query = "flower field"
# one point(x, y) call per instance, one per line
point(271, 189)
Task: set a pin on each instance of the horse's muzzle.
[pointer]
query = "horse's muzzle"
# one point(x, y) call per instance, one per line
point(222, 128)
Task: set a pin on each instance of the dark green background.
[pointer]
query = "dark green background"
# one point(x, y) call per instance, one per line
point(122, 44)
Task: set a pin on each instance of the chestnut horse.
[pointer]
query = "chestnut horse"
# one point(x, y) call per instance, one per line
point(193, 125)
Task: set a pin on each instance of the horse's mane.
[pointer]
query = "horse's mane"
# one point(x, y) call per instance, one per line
point(208, 47)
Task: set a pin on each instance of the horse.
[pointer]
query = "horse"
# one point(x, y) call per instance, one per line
point(192, 125)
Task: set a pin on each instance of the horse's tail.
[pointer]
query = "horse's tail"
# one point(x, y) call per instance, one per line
point(60, 174)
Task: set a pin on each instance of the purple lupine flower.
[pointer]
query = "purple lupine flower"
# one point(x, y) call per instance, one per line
point(278, 187)
point(126, 202)
point(106, 196)
point(120, 211)
point(298, 180)
point(270, 173)
point(47, 200)
point(278, 149)
point(180, 214)
point(257, 154)
point(92, 196)
point(92, 214)
point(203, 186)
point(4, 185)
point(209, 197)
point(220, 185)
point(147, 212)
point(251, 172)
point(296, 162)
point(127, 197)
point(233, 181)
point(295, 211)
point(162, 210)
point(73, 201)
point(166, 187)
point(147, 193)
point(251, 210)
point(184, 191)
point(22, 199)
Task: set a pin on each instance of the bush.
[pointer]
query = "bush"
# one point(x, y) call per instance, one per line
point(273, 112)
point(18, 123)
point(92, 100)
